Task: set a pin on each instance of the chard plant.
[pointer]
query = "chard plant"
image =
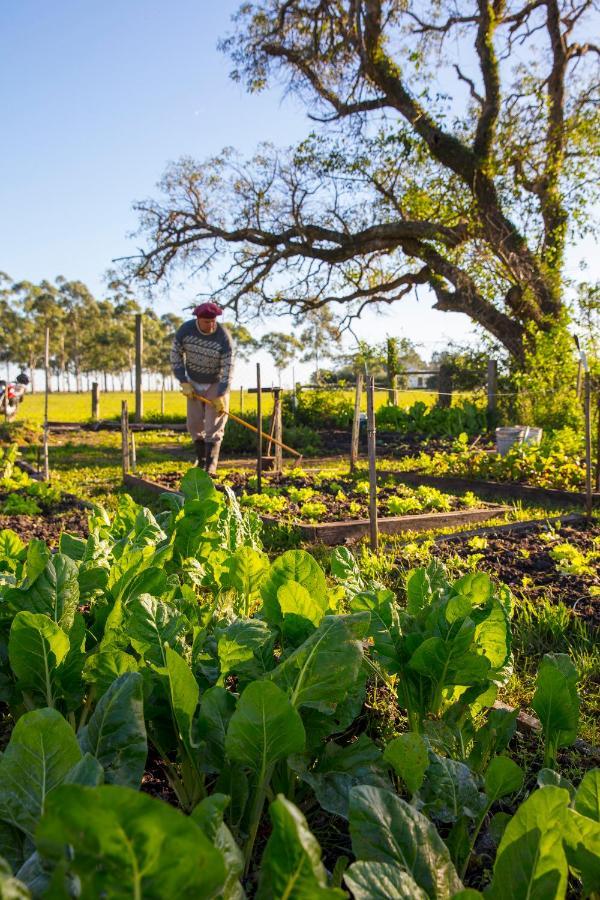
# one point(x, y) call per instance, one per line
point(246, 677)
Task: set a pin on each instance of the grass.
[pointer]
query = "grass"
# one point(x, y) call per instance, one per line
point(78, 407)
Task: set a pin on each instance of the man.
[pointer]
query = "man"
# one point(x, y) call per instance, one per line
point(202, 359)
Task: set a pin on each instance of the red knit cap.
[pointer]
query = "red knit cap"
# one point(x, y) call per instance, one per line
point(207, 311)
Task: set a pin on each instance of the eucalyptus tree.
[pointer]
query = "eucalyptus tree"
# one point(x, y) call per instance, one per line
point(457, 148)
point(283, 348)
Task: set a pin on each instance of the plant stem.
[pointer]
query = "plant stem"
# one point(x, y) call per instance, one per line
point(87, 707)
point(255, 815)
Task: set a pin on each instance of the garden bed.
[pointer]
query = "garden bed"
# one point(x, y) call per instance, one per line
point(72, 517)
point(333, 509)
point(559, 562)
point(36, 509)
point(513, 491)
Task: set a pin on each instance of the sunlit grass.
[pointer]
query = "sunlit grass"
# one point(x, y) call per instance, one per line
point(78, 407)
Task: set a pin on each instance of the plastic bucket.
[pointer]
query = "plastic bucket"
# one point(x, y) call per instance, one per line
point(510, 435)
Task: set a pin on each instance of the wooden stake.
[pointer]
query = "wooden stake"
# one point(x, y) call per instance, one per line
point(139, 357)
point(492, 389)
point(356, 423)
point(371, 439)
point(588, 442)
point(241, 401)
point(162, 398)
point(125, 437)
point(598, 438)
point(259, 445)
point(277, 431)
point(46, 466)
point(133, 454)
point(95, 401)
point(445, 387)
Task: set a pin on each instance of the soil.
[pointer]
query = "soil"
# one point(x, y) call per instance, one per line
point(69, 515)
point(515, 556)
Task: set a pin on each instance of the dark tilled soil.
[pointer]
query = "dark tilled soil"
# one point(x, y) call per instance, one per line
point(512, 557)
point(49, 527)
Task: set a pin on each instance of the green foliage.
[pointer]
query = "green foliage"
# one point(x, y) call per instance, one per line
point(318, 409)
point(248, 684)
point(551, 465)
point(123, 843)
point(464, 418)
point(547, 384)
point(556, 702)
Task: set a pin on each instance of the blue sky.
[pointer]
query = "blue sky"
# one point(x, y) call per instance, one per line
point(95, 98)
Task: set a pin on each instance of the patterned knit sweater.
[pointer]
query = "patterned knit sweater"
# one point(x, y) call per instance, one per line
point(203, 358)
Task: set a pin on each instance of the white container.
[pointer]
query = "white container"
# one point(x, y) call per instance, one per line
point(510, 435)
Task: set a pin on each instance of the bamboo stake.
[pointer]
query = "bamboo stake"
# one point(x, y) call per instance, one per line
point(277, 432)
point(133, 454)
point(356, 423)
point(46, 464)
point(371, 438)
point(588, 441)
point(139, 357)
point(259, 432)
point(124, 437)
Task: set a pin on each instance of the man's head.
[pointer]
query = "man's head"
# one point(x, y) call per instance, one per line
point(206, 317)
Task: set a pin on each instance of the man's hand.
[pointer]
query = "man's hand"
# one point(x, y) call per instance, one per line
point(219, 405)
point(186, 389)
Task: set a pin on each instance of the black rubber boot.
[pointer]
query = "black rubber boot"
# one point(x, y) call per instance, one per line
point(200, 448)
point(212, 457)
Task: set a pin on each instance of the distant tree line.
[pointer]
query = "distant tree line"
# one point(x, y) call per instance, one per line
point(90, 339)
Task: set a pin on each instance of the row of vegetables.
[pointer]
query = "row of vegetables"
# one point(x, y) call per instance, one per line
point(172, 643)
point(20, 494)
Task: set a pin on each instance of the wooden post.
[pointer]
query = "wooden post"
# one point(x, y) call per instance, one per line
point(241, 401)
point(445, 387)
point(46, 465)
point(277, 431)
point(162, 398)
point(371, 438)
point(139, 357)
point(259, 447)
point(598, 437)
point(492, 389)
point(354, 441)
point(588, 441)
point(133, 454)
point(95, 401)
point(124, 437)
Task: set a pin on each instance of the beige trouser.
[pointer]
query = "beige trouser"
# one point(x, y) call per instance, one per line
point(203, 421)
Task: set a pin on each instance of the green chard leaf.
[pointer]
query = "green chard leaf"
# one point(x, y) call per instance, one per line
point(121, 843)
point(36, 648)
point(320, 672)
point(409, 757)
point(116, 733)
point(264, 728)
point(297, 566)
point(291, 864)
point(385, 829)
point(556, 700)
point(531, 861)
point(42, 751)
point(375, 880)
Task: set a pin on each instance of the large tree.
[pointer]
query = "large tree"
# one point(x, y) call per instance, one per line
point(458, 151)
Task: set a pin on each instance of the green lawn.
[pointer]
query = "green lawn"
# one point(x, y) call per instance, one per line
point(78, 407)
